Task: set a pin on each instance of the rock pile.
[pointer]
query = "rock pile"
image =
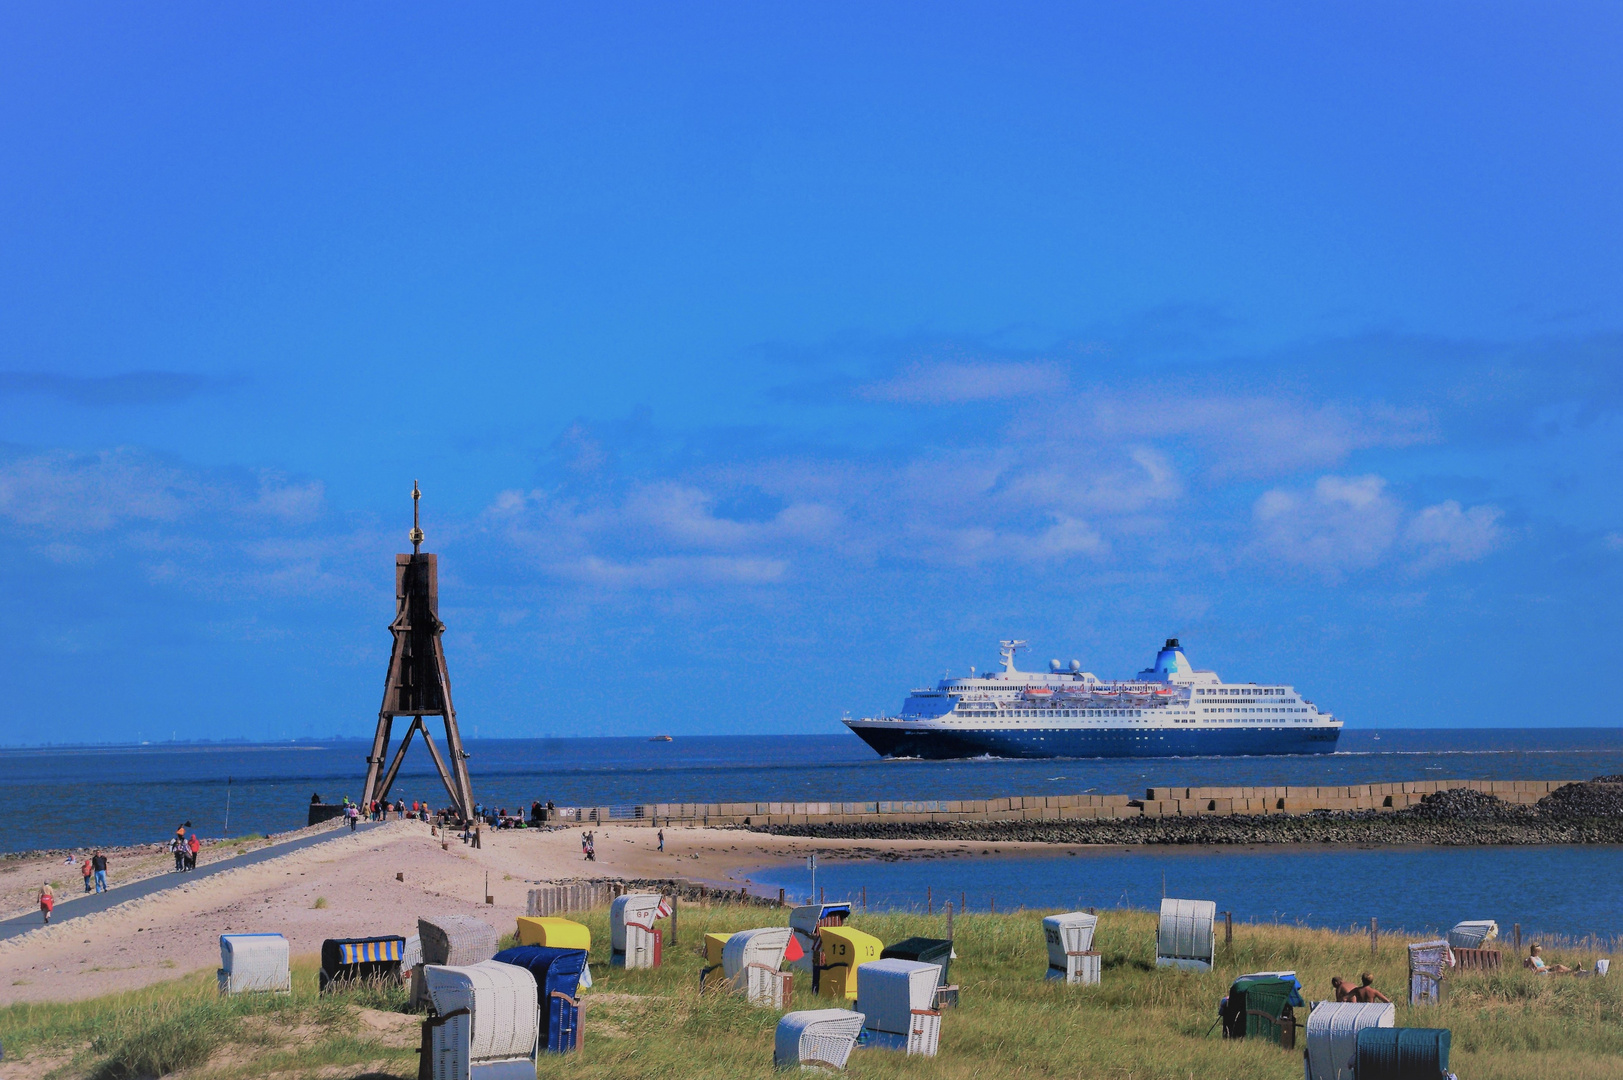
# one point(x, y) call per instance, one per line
point(1601, 797)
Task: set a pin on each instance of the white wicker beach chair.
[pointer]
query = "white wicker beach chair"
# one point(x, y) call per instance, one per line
point(816, 1038)
point(414, 953)
point(1188, 935)
point(634, 942)
point(254, 962)
point(1472, 935)
point(1070, 947)
point(898, 999)
point(485, 1023)
point(750, 961)
point(1429, 965)
point(1332, 1035)
point(456, 940)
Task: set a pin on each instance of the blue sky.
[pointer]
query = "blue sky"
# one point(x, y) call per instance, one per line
point(759, 362)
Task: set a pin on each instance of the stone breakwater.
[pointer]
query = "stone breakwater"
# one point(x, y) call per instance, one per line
point(1157, 802)
point(1588, 812)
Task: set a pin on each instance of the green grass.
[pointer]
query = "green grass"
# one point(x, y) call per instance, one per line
point(1140, 1024)
point(185, 1026)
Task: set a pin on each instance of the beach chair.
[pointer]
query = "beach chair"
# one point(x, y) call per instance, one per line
point(1070, 948)
point(1262, 1005)
point(456, 940)
point(1430, 963)
point(1472, 935)
point(634, 941)
point(711, 975)
point(816, 1038)
point(844, 949)
point(928, 951)
point(751, 960)
point(1332, 1035)
point(354, 959)
point(1394, 1053)
point(413, 954)
point(558, 974)
point(252, 963)
point(1187, 937)
point(484, 1023)
point(806, 921)
point(553, 932)
point(897, 998)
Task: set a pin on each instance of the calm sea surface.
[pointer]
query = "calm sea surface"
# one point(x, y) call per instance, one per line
point(72, 798)
point(1548, 890)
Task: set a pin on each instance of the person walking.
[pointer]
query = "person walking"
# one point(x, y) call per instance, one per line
point(98, 862)
point(193, 846)
point(47, 901)
point(87, 870)
point(352, 815)
point(662, 839)
point(177, 848)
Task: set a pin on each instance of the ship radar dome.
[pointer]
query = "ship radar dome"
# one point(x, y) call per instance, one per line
point(1054, 665)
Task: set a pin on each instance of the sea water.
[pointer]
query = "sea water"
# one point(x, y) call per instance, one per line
point(77, 798)
point(74, 797)
point(1422, 890)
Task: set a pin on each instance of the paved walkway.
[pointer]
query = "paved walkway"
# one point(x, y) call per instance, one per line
point(80, 904)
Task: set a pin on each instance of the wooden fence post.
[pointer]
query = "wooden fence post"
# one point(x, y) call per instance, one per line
point(1374, 938)
point(948, 906)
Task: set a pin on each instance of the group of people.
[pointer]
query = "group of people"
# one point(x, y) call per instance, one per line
point(1364, 992)
point(95, 872)
point(588, 846)
point(185, 850)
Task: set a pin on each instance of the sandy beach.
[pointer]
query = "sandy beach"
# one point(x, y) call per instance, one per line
point(176, 931)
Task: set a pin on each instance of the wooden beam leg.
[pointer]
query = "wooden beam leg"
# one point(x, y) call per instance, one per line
point(400, 755)
point(374, 761)
point(439, 763)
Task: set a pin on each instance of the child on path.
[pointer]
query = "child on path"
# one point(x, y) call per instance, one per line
point(88, 871)
point(47, 901)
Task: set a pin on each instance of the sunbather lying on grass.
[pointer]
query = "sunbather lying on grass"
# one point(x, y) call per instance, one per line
point(1535, 960)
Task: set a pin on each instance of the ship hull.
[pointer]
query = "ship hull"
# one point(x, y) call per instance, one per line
point(915, 740)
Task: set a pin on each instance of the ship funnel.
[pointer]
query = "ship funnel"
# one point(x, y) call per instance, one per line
point(1168, 662)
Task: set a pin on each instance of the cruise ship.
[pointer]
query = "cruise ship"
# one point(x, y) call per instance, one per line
point(1169, 710)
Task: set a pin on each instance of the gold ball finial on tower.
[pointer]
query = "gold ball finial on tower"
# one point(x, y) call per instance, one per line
point(416, 531)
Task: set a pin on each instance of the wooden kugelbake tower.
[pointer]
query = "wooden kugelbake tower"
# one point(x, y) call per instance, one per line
point(418, 683)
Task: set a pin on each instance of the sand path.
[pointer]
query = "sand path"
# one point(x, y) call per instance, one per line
point(177, 930)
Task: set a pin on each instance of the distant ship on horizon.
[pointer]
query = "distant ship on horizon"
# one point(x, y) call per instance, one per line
point(1168, 710)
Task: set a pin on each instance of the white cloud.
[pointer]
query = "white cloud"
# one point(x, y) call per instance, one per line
point(956, 382)
point(1446, 533)
point(1351, 523)
point(1339, 524)
point(673, 570)
point(1242, 435)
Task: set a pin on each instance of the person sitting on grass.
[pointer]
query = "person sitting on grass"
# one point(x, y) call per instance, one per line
point(1366, 993)
point(1535, 961)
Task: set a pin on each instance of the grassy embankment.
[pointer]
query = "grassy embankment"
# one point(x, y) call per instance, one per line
point(1141, 1024)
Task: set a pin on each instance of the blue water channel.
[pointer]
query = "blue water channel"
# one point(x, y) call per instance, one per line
point(1567, 891)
